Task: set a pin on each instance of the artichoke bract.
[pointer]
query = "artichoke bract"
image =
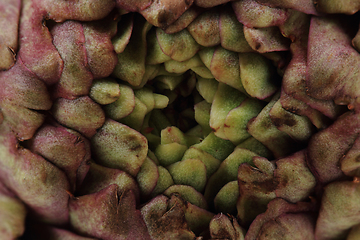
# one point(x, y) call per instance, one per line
point(186, 119)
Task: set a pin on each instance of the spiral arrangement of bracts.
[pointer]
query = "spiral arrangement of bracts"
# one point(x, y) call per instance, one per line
point(186, 119)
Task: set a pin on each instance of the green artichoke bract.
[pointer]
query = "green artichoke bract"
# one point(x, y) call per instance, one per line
point(186, 119)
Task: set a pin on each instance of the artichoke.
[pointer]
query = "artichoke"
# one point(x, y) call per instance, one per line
point(185, 119)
